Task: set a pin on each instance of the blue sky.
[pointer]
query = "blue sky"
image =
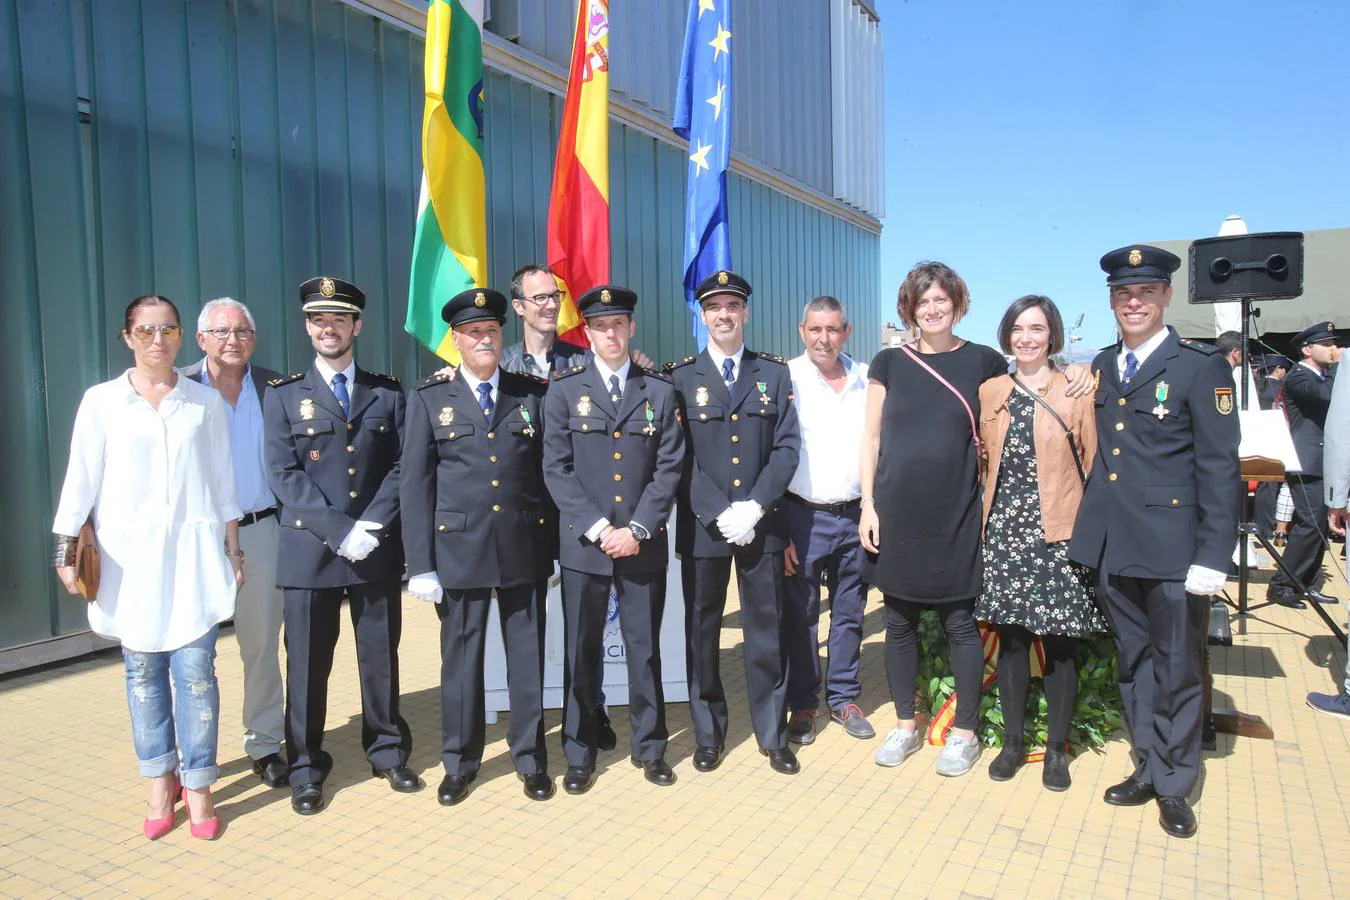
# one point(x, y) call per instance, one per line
point(1024, 140)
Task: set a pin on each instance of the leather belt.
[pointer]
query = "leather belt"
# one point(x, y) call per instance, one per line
point(837, 508)
point(250, 518)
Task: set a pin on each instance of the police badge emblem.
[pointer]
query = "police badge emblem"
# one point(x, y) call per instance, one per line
point(326, 287)
point(479, 300)
point(584, 405)
point(306, 409)
point(1136, 257)
point(1223, 400)
point(701, 396)
point(723, 278)
point(447, 415)
point(606, 296)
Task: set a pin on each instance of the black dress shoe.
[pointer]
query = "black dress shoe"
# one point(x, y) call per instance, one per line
point(453, 789)
point(605, 738)
point(1055, 770)
point(1009, 760)
point(400, 778)
point(1285, 598)
point(578, 779)
point(307, 799)
point(1319, 597)
point(784, 761)
point(1176, 817)
point(707, 758)
point(801, 727)
point(538, 786)
point(1129, 793)
point(272, 770)
point(655, 770)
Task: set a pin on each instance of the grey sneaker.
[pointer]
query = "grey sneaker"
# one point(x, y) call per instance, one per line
point(1336, 705)
point(957, 756)
point(897, 746)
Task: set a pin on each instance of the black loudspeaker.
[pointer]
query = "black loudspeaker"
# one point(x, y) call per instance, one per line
point(1266, 266)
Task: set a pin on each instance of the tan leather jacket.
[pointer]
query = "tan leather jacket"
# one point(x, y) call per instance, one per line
point(1056, 474)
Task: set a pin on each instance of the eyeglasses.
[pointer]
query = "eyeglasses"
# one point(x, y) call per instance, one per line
point(146, 333)
point(541, 299)
point(243, 335)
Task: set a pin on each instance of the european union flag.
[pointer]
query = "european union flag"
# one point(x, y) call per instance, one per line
point(703, 116)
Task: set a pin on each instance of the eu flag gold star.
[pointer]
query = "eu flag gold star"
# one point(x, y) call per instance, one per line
point(716, 101)
point(705, 6)
point(700, 156)
point(719, 43)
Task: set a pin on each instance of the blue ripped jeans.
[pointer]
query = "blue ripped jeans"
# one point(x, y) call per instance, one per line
point(176, 728)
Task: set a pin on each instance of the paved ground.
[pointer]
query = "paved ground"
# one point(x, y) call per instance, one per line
point(1273, 814)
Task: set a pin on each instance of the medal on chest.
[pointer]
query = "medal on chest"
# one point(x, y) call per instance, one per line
point(528, 431)
point(650, 428)
point(763, 392)
point(1160, 394)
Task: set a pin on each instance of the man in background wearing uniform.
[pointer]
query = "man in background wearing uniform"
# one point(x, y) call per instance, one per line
point(228, 336)
point(333, 438)
point(1307, 395)
point(613, 456)
point(741, 427)
point(476, 519)
point(1157, 523)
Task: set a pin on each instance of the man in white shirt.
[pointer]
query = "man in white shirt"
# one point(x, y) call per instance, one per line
point(226, 333)
point(1336, 479)
point(830, 391)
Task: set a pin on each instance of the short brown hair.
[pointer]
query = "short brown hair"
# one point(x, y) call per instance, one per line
point(920, 279)
point(1021, 305)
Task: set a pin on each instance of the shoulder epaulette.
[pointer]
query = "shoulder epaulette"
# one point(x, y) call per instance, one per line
point(1198, 346)
point(526, 378)
point(771, 357)
point(392, 379)
point(568, 373)
point(432, 379)
point(286, 379)
point(653, 373)
point(670, 366)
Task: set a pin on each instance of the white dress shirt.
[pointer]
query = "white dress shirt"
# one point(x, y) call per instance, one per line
point(718, 357)
point(1142, 352)
point(327, 372)
point(160, 484)
point(831, 425)
point(593, 533)
point(472, 383)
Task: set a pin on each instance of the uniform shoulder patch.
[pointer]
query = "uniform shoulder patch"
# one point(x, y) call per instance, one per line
point(432, 379)
point(771, 357)
point(1198, 346)
point(568, 373)
point(671, 366)
point(392, 379)
point(286, 379)
point(653, 373)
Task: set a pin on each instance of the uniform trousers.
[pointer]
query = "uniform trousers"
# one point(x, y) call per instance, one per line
point(642, 601)
point(826, 542)
point(1159, 634)
point(257, 628)
point(1307, 534)
point(759, 577)
point(464, 617)
point(313, 621)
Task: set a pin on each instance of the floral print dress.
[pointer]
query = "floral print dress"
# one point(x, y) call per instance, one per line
point(1028, 582)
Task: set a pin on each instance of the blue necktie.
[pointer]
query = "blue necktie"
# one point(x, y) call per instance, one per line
point(728, 375)
point(344, 399)
point(1131, 368)
point(485, 399)
point(615, 392)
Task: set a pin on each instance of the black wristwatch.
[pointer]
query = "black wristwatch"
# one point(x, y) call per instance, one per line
point(638, 531)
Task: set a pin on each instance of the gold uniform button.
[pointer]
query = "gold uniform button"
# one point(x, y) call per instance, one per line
point(618, 456)
point(735, 418)
point(1121, 401)
point(703, 415)
point(735, 460)
point(541, 520)
point(1115, 451)
point(496, 507)
point(352, 494)
point(736, 483)
point(618, 477)
point(451, 435)
point(492, 435)
point(496, 483)
point(735, 438)
point(1176, 502)
point(309, 431)
point(381, 427)
point(351, 449)
point(617, 435)
point(1113, 476)
point(585, 427)
point(1120, 426)
point(350, 426)
point(440, 527)
point(351, 471)
point(618, 499)
point(298, 524)
point(492, 459)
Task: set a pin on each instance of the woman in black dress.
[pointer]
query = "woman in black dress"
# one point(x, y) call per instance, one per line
point(921, 516)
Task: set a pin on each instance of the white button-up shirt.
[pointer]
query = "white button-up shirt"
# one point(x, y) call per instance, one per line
point(831, 426)
point(160, 484)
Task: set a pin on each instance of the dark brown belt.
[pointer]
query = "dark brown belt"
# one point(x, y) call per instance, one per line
point(838, 508)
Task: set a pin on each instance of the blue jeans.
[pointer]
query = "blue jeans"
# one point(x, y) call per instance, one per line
point(176, 729)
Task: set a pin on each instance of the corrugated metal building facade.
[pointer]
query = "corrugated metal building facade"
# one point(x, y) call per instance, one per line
point(236, 147)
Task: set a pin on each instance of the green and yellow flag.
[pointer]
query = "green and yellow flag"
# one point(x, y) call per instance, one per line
point(450, 243)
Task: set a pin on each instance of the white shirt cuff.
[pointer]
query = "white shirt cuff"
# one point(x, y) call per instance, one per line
point(593, 533)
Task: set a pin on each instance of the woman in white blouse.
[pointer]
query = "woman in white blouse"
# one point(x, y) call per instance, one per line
point(150, 461)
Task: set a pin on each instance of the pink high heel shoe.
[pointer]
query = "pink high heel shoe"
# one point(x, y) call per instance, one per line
point(154, 829)
point(206, 831)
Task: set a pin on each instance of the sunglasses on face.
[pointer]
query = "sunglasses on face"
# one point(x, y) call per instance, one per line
point(146, 333)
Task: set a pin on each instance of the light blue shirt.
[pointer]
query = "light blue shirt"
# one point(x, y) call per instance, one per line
point(246, 445)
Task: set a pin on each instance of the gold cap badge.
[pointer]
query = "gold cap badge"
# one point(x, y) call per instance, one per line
point(479, 300)
point(723, 278)
point(605, 297)
point(1136, 257)
point(326, 287)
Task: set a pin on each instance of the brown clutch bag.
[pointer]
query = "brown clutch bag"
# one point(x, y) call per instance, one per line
point(86, 561)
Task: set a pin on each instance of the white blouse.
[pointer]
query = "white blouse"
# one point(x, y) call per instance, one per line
point(160, 484)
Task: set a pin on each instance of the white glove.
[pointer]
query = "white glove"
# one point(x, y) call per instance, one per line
point(728, 522)
point(426, 587)
point(1205, 582)
point(738, 521)
point(359, 543)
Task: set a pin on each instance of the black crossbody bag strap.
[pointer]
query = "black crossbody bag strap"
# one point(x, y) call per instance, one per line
point(1073, 445)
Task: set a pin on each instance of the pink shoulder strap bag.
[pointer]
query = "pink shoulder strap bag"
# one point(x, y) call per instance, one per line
point(980, 456)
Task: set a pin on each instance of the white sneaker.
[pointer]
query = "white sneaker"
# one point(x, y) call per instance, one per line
point(897, 746)
point(958, 755)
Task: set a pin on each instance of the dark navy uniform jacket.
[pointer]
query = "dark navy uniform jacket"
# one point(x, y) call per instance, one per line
point(742, 446)
point(1307, 397)
point(620, 464)
point(1163, 493)
point(475, 510)
point(328, 471)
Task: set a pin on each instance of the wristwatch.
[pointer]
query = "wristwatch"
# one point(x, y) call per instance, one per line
point(638, 531)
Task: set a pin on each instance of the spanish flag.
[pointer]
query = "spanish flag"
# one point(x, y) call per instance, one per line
point(450, 242)
point(578, 212)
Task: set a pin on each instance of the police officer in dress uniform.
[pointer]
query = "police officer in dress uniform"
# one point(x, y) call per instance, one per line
point(332, 441)
point(475, 520)
point(743, 446)
point(613, 457)
point(1307, 397)
point(1157, 523)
